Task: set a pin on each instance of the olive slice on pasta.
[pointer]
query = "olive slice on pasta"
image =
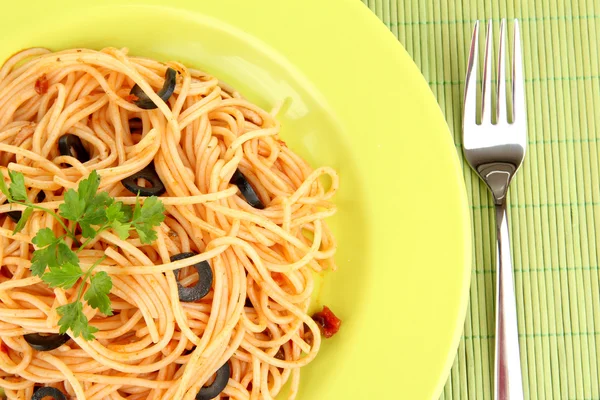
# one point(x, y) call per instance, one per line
point(218, 385)
point(202, 287)
point(136, 125)
point(239, 180)
point(71, 145)
point(15, 215)
point(48, 391)
point(144, 102)
point(46, 342)
point(149, 174)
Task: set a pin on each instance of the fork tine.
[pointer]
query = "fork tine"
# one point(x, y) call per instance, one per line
point(486, 98)
point(518, 92)
point(470, 99)
point(501, 92)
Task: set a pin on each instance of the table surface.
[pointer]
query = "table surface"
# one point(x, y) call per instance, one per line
point(554, 202)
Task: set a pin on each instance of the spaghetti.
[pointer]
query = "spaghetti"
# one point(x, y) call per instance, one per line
point(250, 332)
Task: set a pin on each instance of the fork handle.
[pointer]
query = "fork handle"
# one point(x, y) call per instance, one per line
point(508, 383)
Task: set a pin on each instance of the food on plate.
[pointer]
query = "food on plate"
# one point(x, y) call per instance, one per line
point(158, 237)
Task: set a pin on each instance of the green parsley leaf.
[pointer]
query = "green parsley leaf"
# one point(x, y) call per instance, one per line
point(41, 259)
point(73, 207)
point(3, 187)
point(95, 210)
point(116, 212)
point(73, 318)
point(64, 276)
point(97, 293)
point(51, 252)
point(60, 254)
point(46, 253)
point(87, 188)
point(65, 254)
point(121, 229)
point(44, 237)
point(52, 256)
point(128, 211)
point(23, 220)
point(118, 216)
point(17, 189)
point(94, 214)
point(146, 235)
point(85, 206)
point(146, 217)
point(87, 230)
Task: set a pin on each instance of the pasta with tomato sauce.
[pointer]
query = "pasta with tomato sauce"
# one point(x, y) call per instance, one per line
point(158, 239)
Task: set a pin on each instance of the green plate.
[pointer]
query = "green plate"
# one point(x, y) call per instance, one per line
point(355, 101)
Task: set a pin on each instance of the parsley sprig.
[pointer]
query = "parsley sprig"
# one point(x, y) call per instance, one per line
point(58, 264)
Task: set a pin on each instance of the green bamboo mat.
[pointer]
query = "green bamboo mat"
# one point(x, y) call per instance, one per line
point(555, 201)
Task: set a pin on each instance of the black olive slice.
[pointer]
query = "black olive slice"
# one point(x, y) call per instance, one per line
point(150, 175)
point(143, 101)
point(220, 382)
point(70, 145)
point(15, 215)
point(46, 342)
point(205, 279)
point(48, 391)
point(239, 180)
point(136, 125)
point(188, 352)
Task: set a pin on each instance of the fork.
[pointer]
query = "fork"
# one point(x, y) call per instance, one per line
point(495, 150)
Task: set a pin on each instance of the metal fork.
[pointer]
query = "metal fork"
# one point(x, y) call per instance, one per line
point(496, 151)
